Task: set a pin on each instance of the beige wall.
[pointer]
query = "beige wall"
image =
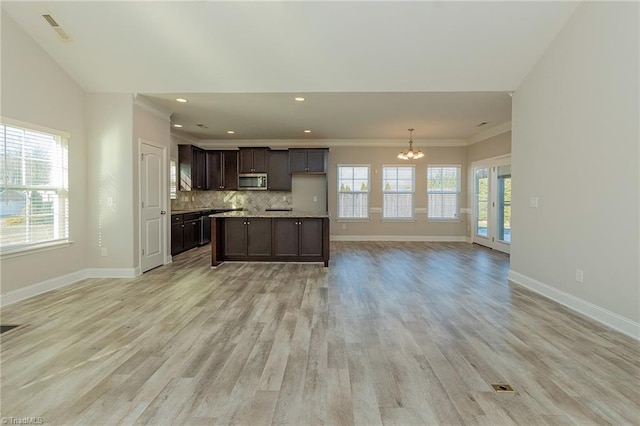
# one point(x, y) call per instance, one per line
point(376, 157)
point(493, 147)
point(575, 148)
point(111, 203)
point(36, 90)
point(152, 126)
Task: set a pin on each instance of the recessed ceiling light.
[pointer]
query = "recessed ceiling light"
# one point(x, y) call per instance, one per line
point(299, 98)
point(182, 100)
point(231, 132)
point(177, 125)
point(307, 131)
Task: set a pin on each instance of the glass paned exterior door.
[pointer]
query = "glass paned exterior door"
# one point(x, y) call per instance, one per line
point(482, 201)
point(504, 203)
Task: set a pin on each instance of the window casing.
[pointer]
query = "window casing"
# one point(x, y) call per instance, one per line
point(353, 192)
point(173, 180)
point(34, 187)
point(398, 185)
point(443, 192)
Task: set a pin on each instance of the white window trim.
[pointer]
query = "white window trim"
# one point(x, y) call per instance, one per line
point(459, 194)
point(27, 249)
point(35, 248)
point(412, 192)
point(368, 192)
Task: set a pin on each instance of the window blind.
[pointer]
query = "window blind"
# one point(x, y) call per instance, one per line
point(34, 203)
point(443, 192)
point(353, 192)
point(398, 184)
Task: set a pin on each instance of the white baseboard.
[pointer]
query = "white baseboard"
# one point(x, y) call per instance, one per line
point(595, 312)
point(42, 287)
point(420, 238)
point(65, 280)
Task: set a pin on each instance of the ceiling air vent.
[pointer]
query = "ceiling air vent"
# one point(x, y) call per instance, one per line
point(61, 33)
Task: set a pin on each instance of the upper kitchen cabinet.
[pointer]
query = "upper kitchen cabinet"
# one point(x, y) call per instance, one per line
point(253, 160)
point(278, 177)
point(310, 160)
point(222, 170)
point(192, 164)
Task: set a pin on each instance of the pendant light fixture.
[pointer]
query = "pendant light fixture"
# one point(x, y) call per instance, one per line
point(410, 154)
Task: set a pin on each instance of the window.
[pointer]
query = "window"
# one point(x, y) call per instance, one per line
point(173, 180)
point(34, 204)
point(397, 192)
point(353, 192)
point(443, 192)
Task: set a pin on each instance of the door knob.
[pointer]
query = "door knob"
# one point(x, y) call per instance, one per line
point(163, 212)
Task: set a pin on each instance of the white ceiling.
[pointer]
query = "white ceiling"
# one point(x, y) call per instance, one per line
point(368, 69)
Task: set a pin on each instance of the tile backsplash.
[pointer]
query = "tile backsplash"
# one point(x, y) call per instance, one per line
point(253, 201)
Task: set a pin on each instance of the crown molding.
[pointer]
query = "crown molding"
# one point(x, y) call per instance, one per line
point(184, 137)
point(489, 133)
point(149, 106)
point(326, 143)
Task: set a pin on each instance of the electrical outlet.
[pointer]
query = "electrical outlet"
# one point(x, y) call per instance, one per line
point(580, 276)
point(533, 202)
point(315, 199)
point(284, 198)
point(103, 252)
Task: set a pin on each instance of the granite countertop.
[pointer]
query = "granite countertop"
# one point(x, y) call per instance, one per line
point(204, 209)
point(271, 214)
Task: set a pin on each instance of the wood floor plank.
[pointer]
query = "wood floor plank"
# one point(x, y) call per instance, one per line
point(390, 333)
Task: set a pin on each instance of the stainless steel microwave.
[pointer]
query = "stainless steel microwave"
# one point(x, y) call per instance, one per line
point(252, 181)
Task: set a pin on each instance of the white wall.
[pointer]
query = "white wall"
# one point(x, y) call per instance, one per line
point(36, 90)
point(576, 148)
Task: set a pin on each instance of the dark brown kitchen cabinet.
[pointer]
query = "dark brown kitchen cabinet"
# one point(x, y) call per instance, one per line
point(259, 239)
point(297, 237)
point(185, 232)
point(192, 166)
point(222, 170)
point(312, 160)
point(247, 237)
point(253, 160)
point(177, 234)
point(278, 177)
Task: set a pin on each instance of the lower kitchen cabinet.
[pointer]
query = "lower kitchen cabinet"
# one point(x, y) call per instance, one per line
point(177, 236)
point(282, 238)
point(247, 237)
point(297, 237)
point(185, 232)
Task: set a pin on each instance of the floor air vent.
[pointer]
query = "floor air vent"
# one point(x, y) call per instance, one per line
point(7, 328)
point(503, 388)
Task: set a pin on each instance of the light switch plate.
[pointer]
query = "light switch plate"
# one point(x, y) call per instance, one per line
point(533, 202)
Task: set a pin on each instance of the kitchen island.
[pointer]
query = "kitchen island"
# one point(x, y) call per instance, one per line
point(270, 236)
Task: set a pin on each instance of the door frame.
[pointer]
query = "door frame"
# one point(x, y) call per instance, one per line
point(491, 241)
point(164, 201)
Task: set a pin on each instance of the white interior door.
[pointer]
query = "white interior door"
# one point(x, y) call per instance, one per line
point(492, 203)
point(152, 210)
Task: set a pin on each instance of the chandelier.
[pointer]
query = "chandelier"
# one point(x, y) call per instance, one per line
point(410, 154)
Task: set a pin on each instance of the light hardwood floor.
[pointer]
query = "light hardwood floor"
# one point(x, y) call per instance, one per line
point(390, 333)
